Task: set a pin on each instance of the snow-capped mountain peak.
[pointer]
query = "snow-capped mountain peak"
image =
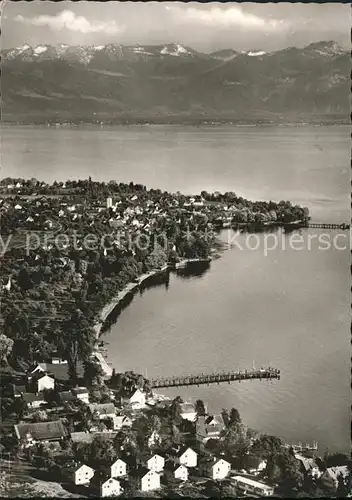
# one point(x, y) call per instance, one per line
point(23, 47)
point(40, 49)
point(256, 53)
point(174, 50)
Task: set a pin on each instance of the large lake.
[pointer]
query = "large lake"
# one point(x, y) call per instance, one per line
point(289, 309)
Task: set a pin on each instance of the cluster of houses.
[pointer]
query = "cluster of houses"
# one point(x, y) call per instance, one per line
point(152, 468)
point(130, 212)
point(146, 473)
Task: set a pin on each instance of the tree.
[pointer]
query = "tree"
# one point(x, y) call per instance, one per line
point(225, 416)
point(266, 446)
point(175, 410)
point(200, 408)
point(342, 488)
point(18, 407)
point(291, 476)
point(6, 345)
point(93, 372)
point(155, 424)
point(272, 471)
point(77, 342)
point(40, 416)
point(336, 459)
point(234, 417)
point(102, 452)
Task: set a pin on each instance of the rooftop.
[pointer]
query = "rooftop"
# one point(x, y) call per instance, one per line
point(42, 430)
point(251, 482)
point(103, 408)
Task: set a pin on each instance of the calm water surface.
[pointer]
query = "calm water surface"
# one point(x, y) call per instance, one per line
point(288, 309)
point(308, 165)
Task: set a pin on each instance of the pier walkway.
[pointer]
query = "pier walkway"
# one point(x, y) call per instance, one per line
point(328, 226)
point(216, 378)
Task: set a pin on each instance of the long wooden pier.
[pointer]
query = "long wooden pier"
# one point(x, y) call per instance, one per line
point(328, 226)
point(216, 378)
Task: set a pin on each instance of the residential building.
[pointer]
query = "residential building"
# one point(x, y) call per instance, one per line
point(332, 474)
point(137, 400)
point(120, 421)
point(252, 488)
point(81, 437)
point(209, 427)
point(184, 455)
point(58, 370)
point(155, 462)
point(57, 360)
point(258, 467)
point(41, 382)
point(216, 468)
point(80, 474)
point(106, 486)
point(33, 400)
point(188, 412)
point(147, 480)
point(309, 466)
point(103, 410)
point(66, 396)
point(81, 393)
point(30, 434)
point(16, 391)
point(118, 468)
point(176, 471)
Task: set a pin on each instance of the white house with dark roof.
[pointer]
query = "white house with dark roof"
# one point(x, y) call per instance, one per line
point(106, 486)
point(80, 474)
point(118, 468)
point(176, 471)
point(184, 455)
point(147, 480)
point(43, 382)
point(156, 462)
point(216, 468)
point(137, 401)
point(120, 421)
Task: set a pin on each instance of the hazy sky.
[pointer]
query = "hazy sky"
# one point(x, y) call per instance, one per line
point(204, 27)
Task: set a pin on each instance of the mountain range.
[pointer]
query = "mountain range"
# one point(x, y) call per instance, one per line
point(172, 82)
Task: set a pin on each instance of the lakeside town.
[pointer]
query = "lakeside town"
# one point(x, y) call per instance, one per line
point(71, 253)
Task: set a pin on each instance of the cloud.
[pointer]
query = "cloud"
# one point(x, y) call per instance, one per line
point(233, 16)
point(68, 20)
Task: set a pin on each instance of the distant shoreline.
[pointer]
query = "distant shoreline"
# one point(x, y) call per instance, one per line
point(177, 123)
